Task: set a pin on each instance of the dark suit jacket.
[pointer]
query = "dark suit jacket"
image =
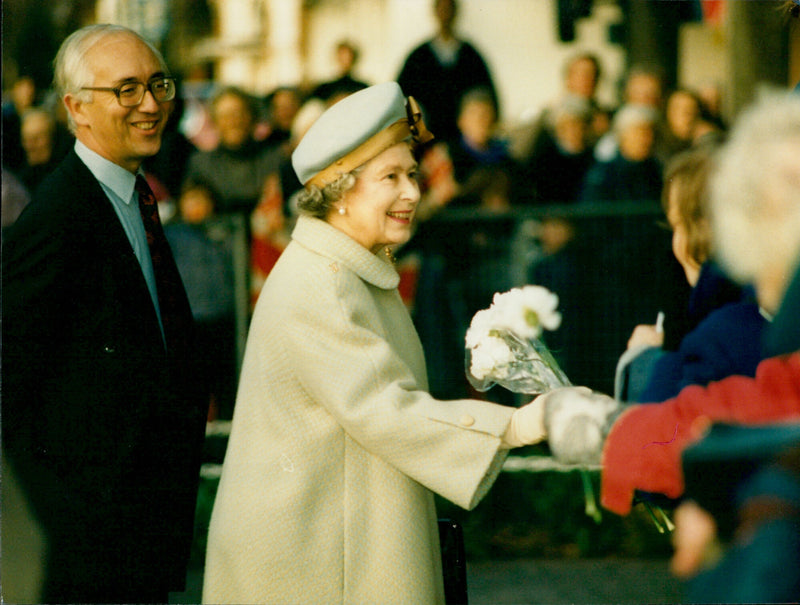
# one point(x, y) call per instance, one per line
point(101, 423)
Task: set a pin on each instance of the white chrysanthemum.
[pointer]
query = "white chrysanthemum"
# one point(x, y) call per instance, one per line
point(526, 311)
point(482, 323)
point(490, 358)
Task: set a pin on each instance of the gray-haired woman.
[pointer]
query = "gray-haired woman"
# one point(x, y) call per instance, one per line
point(336, 447)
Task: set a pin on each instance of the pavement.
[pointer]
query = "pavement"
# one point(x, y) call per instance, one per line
point(556, 581)
point(547, 581)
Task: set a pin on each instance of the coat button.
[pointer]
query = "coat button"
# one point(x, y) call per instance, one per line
point(467, 420)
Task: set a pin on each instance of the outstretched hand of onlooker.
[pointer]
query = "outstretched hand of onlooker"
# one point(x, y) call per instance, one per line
point(648, 335)
point(577, 421)
point(694, 540)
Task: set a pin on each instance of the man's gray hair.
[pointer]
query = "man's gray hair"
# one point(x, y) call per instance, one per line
point(73, 72)
point(755, 191)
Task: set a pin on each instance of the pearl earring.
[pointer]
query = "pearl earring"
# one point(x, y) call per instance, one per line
point(342, 210)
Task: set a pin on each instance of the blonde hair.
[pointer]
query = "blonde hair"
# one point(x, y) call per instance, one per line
point(633, 115)
point(689, 171)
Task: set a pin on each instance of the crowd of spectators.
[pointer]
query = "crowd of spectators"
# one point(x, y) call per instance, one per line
point(236, 145)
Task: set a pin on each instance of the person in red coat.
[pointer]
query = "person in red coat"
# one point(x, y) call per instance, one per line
point(755, 197)
point(643, 449)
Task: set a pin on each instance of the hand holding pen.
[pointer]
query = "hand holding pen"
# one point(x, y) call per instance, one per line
point(647, 335)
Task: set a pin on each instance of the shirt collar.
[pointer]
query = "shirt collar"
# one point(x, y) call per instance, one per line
point(115, 177)
point(446, 51)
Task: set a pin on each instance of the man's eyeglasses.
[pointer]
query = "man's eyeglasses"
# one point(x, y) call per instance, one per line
point(131, 94)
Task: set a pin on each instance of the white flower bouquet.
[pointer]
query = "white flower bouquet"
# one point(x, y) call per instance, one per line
point(504, 346)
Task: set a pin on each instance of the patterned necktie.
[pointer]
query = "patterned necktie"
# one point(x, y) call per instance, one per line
point(172, 300)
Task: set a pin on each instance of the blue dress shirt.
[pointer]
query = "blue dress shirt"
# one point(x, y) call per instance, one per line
point(118, 185)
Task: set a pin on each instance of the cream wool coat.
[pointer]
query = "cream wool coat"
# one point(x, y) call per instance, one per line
point(336, 447)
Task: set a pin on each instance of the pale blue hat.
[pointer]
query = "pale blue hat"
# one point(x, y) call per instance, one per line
point(355, 130)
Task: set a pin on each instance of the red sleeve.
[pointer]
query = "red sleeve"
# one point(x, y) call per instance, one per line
point(643, 450)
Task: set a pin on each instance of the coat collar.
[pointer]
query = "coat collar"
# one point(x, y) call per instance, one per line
point(326, 240)
point(714, 289)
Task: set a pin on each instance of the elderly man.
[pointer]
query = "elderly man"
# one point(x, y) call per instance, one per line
point(101, 422)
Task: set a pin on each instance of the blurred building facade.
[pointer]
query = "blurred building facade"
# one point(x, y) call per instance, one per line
point(262, 44)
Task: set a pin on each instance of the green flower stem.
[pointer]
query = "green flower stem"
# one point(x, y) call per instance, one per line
point(662, 521)
point(667, 521)
point(592, 510)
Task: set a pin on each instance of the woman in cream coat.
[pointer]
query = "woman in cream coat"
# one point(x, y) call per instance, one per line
point(336, 448)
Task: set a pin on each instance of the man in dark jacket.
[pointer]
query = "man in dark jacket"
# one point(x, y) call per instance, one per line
point(101, 422)
point(439, 72)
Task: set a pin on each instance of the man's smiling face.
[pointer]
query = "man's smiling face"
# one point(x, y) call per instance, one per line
point(123, 135)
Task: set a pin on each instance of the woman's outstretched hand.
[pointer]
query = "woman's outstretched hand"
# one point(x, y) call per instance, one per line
point(527, 425)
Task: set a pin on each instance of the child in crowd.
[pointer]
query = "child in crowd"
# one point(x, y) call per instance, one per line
point(723, 318)
point(202, 247)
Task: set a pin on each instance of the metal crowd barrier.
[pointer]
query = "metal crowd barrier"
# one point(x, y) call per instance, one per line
point(617, 271)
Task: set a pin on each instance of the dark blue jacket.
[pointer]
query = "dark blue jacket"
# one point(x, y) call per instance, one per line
point(784, 335)
point(726, 340)
point(752, 464)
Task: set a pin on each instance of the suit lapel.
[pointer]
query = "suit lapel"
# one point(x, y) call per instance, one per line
point(113, 242)
point(125, 285)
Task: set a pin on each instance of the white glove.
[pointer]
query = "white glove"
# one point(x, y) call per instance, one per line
point(577, 421)
point(527, 425)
